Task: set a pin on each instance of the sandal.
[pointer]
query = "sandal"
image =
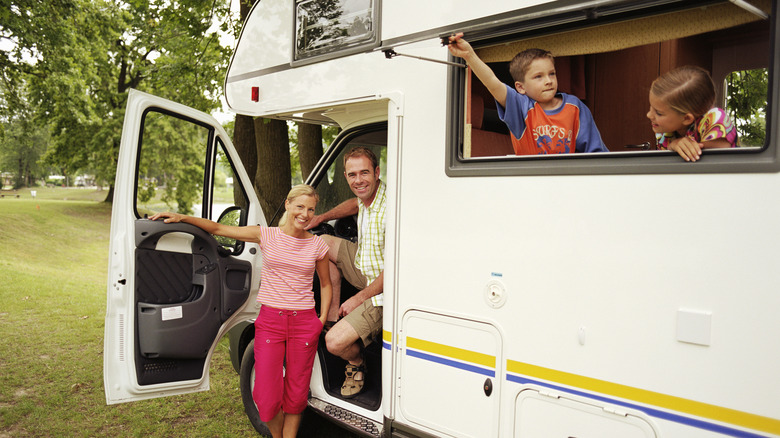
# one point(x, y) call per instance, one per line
point(353, 384)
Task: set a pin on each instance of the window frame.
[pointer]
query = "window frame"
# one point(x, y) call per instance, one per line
point(335, 51)
point(742, 160)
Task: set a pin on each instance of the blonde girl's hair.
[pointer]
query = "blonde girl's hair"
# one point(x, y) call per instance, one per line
point(299, 190)
point(687, 89)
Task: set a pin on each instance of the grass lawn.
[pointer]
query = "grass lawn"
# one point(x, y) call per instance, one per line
point(53, 268)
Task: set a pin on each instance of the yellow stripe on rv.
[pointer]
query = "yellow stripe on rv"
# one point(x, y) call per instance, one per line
point(691, 407)
point(452, 352)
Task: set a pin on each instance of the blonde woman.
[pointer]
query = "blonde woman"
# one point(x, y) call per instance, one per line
point(287, 328)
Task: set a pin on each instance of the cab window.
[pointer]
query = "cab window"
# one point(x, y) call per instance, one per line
point(184, 168)
point(331, 185)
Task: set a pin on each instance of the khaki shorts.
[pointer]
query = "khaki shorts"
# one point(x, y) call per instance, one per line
point(366, 319)
point(346, 264)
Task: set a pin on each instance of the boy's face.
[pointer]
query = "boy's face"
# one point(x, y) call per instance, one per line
point(540, 82)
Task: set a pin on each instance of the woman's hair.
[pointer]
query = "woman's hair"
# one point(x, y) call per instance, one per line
point(299, 190)
point(687, 89)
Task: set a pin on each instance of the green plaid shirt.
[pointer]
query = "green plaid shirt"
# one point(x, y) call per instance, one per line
point(370, 258)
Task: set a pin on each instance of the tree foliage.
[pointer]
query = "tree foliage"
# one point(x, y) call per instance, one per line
point(746, 101)
point(172, 161)
point(21, 144)
point(73, 61)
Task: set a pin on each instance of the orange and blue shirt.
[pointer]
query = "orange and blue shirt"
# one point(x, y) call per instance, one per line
point(566, 129)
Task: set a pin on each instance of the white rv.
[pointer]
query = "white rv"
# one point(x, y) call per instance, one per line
point(618, 294)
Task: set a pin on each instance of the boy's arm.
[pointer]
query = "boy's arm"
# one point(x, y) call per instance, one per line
point(462, 49)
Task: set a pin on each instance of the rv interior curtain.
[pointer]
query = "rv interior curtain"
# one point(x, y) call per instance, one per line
point(631, 33)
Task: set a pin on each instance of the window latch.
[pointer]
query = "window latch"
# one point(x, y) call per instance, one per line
point(390, 54)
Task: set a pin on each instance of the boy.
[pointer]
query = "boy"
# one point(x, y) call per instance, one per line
point(542, 121)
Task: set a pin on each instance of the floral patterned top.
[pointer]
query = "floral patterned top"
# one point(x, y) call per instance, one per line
point(713, 125)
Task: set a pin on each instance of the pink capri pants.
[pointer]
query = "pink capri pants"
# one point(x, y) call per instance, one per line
point(285, 345)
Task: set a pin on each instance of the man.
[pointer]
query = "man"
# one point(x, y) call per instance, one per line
point(361, 263)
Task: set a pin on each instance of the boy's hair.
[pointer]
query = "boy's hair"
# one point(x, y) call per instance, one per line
point(362, 151)
point(687, 89)
point(519, 65)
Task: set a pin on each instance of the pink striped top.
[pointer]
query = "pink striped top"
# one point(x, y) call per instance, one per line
point(288, 269)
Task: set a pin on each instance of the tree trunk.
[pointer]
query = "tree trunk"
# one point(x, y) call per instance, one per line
point(272, 180)
point(110, 195)
point(246, 146)
point(309, 147)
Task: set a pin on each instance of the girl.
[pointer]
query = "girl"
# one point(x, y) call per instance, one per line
point(682, 113)
point(287, 328)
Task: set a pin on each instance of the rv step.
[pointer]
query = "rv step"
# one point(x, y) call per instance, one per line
point(345, 417)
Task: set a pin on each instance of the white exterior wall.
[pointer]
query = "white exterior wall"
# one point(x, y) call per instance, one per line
point(596, 268)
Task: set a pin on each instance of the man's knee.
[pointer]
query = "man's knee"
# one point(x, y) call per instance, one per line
point(334, 243)
point(340, 337)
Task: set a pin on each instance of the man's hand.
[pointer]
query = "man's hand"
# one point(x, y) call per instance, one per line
point(315, 221)
point(349, 305)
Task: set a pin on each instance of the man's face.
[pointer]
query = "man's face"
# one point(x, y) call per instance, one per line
point(362, 178)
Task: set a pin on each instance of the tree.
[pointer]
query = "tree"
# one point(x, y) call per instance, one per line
point(78, 58)
point(746, 95)
point(22, 144)
point(309, 147)
point(265, 145)
point(272, 180)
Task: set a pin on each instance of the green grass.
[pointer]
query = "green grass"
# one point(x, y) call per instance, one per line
point(53, 268)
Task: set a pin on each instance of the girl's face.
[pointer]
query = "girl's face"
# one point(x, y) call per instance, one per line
point(664, 118)
point(300, 210)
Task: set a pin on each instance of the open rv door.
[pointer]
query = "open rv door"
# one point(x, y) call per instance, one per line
point(173, 289)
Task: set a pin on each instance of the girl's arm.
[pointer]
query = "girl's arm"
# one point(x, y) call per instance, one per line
point(323, 271)
point(690, 150)
point(244, 234)
point(716, 144)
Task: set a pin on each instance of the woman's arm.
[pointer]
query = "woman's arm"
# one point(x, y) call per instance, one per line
point(244, 234)
point(323, 271)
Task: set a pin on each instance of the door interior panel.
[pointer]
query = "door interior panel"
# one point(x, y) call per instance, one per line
point(182, 299)
point(235, 288)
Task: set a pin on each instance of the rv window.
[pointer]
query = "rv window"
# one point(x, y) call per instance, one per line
point(609, 65)
point(334, 27)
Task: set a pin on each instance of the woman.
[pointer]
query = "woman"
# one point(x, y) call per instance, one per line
point(287, 327)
